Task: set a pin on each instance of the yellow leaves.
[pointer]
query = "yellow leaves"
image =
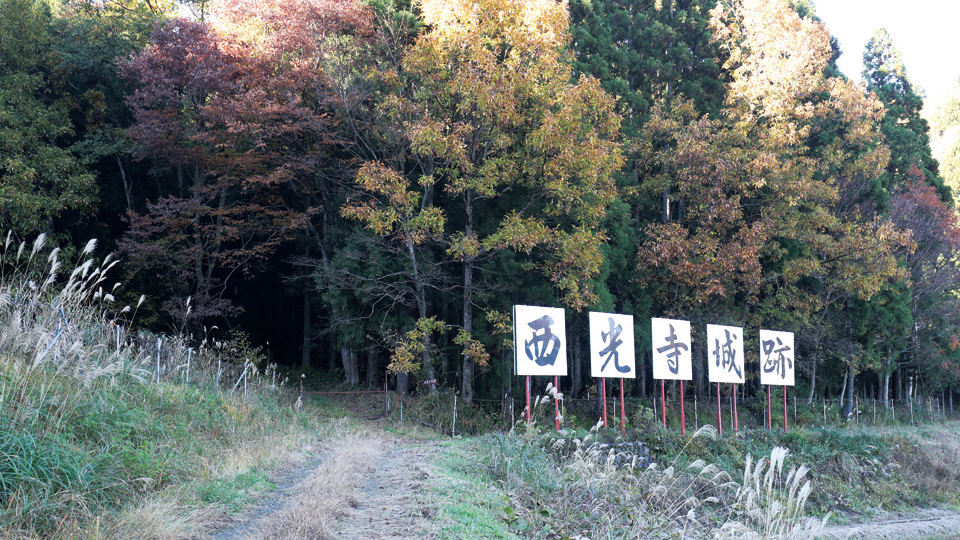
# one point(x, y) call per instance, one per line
point(776, 57)
point(463, 247)
point(379, 179)
point(502, 324)
point(491, 110)
point(410, 348)
point(430, 137)
point(472, 348)
point(404, 358)
point(519, 233)
point(391, 203)
point(426, 225)
point(378, 220)
point(529, 25)
point(578, 260)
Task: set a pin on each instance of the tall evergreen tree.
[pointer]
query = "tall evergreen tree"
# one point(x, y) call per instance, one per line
point(646, 51)
point(905, 131)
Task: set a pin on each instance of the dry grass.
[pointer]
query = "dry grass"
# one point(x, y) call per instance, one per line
point(173, 513)
point(158, 518)
point(107, 434)
point(770, 505)
point(322, 497)
point(933, 464)
point(580, 489)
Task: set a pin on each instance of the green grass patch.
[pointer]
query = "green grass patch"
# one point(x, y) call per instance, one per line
point(236, 492)
point(473, 506)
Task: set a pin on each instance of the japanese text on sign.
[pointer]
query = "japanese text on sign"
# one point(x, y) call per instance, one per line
point(612, 351)
point(539, 341)
point(725, 353)
point(671, 349)
point(776, 358)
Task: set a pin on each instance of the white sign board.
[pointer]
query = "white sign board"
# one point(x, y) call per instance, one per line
point(612, 352)
point(725, 353)
point(776, 358)
point(672, 353)
point(539, 341)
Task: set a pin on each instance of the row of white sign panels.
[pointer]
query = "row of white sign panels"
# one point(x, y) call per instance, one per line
point(539, 337)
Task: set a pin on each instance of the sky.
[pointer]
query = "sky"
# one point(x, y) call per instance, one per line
point(927, 33)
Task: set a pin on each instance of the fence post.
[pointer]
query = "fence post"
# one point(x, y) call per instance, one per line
point(615, 406)
point(696, 413)
point(654, 408)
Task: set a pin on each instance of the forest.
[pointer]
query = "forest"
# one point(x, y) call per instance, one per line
point(366, 189)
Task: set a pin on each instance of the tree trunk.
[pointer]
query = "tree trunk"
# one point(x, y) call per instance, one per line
point(422, 313)
point(885, 393)
point(307, 331)
point(325, 261)
point(577, 368)
point(848, 390)
point(372, 369)
point(350, 369)
point(127, 190)
point(813, 379)
point(466, 385)
point(642, 374)
point(848, 402)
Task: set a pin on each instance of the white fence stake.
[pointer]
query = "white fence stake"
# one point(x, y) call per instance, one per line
point(158, 360)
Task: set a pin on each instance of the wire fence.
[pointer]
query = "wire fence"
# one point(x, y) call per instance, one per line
point(744, 413)
point(447, 413)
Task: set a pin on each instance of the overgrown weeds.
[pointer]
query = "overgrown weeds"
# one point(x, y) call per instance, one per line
point(568, 485)
point(96, 421)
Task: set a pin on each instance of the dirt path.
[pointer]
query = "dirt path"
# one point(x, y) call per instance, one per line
point(939, 524)
point(368, 485)
point(392, 505)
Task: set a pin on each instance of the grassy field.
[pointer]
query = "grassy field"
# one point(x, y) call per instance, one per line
point(762, 484)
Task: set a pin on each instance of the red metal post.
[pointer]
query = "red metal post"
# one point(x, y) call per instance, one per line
point(683, 417)
point(528, 401)
point(603, 385)
point(719, 411)
point(556, 402)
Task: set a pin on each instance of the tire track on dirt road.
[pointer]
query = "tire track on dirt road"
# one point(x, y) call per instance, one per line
point(369, 486)
point(391, 505)
point(940, 524)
